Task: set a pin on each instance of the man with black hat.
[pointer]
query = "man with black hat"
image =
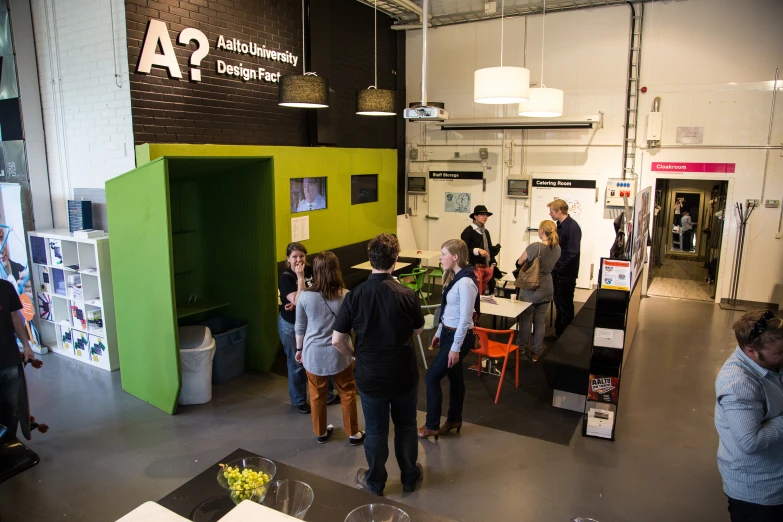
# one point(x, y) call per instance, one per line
point(482, 252)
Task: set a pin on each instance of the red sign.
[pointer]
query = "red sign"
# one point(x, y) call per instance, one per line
point(721, 168)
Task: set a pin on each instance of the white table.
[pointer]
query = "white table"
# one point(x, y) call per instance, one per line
point(367, 266)
point(503, 307)
point(419, 254)
point(507, 309)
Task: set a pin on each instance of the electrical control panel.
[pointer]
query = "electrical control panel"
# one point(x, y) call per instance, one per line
point(417, 184)
point(518, 187)
point(619, 189)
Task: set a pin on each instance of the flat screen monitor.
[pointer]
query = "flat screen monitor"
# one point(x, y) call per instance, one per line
point(417, 185)
point(308, 194)
point(364, 188)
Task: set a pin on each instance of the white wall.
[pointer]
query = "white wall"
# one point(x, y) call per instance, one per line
point(711, 61)
point(86, 109)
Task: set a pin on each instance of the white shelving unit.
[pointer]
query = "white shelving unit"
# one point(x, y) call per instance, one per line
point(73, 296)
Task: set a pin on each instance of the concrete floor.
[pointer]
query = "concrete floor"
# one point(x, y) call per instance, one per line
point(107, 452)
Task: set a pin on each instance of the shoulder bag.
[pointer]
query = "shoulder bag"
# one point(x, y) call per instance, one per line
point(529, 277)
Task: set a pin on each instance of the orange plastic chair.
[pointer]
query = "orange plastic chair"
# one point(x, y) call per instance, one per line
point(496, 350)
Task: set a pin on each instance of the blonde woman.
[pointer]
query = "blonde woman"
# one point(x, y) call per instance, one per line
point(454, 338)
point(548, 249)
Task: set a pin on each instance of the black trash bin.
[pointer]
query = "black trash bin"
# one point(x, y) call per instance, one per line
point(230, 346)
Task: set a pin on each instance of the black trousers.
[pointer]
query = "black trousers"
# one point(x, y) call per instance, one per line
point(564, 301)
point(742, 511)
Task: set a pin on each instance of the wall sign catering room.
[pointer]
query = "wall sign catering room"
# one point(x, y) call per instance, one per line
point(206, 73)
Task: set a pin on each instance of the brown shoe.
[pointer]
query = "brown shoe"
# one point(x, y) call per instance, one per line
point(426, 433)
point(534, 356)
point(448, 426)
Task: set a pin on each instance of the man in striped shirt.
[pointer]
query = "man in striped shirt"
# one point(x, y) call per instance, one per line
point(749, 420)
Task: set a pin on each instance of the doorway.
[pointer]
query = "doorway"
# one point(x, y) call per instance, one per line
point(687, 238)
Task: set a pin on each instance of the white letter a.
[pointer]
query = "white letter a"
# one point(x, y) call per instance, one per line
point(157, 32)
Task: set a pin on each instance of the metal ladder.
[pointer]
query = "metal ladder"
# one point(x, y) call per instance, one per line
point(632, 91)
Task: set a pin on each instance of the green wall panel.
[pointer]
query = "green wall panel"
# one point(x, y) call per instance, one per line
point(142, 272)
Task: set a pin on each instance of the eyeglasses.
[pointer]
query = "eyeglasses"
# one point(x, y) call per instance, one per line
point(761, 326)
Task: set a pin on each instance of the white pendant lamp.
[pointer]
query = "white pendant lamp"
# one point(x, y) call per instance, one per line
point(373, 101)
point(544, 102)
point(308, 91)
point(501, 85)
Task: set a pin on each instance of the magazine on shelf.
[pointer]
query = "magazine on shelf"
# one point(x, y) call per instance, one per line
point(603, 389)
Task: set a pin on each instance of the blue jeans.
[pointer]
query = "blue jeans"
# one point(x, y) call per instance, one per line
point(297, 377)
point(440, 369)
point(9, 399)
point(376, 445)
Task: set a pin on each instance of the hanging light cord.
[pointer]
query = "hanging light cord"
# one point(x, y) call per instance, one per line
point(376, 45)
point(543, 27)
point(304, 45)
point(502, 27)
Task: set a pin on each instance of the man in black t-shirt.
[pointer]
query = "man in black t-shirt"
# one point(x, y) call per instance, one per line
point(384, 315)
point(11, 321)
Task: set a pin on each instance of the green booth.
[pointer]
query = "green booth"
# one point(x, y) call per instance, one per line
point(198, 230)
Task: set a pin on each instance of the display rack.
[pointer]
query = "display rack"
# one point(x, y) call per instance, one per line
point(614, 327)
point(73, 296)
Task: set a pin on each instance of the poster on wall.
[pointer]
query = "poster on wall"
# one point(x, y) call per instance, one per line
point(14, 266)
point(458, 202)
point(641, 231)
point(13, 249)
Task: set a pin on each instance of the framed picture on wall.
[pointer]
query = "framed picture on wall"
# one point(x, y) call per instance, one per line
point(364, 188)
point(308, 194)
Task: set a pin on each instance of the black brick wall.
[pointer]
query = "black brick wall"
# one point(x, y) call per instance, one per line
point(230, 111)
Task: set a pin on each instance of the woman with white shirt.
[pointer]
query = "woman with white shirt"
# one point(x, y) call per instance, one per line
point(454, 338)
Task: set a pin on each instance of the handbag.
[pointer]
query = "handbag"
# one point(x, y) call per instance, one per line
point(529, 277)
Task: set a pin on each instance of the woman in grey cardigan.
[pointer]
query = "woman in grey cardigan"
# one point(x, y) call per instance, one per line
point(549, 251)
point(316, 311)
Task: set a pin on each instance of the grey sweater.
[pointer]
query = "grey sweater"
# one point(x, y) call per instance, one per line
point(315, 321)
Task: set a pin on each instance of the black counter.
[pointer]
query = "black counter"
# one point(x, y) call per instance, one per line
point(202, 499)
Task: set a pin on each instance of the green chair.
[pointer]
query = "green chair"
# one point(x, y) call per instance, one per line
point(418, 281)
point(436, 272)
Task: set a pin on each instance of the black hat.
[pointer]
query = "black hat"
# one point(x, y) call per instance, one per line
point(480, 209)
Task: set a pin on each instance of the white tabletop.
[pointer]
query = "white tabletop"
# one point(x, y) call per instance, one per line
point(367, 266)
point(503, 307)
point(150, 511)
point(419, 254)
point(248, 511)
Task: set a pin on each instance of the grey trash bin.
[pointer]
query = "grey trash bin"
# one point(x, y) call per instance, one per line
point(230, 337)
point(196, 350)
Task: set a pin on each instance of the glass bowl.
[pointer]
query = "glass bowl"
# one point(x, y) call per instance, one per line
point(290, 497)
point(257, 464)
point(377, 513)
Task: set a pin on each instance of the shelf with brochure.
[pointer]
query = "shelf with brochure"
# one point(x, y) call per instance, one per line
point(614, 327)
point(74, 297)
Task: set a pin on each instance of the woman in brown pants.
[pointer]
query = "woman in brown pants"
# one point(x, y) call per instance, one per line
point(316, 311)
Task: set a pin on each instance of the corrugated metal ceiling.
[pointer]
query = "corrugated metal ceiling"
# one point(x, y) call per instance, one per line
point(448, 12)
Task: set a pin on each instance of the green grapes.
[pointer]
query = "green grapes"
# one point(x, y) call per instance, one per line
point(243, 483)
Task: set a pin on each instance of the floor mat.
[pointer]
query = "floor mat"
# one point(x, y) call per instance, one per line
point(525, 411)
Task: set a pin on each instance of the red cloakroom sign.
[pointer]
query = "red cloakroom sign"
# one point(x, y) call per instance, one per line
point(721, 168)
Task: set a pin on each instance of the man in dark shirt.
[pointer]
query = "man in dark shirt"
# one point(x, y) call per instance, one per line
point(11, 321)
point(384, 315)
point(480, 248)
point(566, 269)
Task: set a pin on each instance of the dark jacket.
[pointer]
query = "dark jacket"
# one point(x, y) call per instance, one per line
point(473, 239)
point(570, 245)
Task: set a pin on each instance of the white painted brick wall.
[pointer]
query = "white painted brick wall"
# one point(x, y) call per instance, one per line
point(87, 116)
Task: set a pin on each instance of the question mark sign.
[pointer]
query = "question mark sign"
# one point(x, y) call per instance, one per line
point(185, 37)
